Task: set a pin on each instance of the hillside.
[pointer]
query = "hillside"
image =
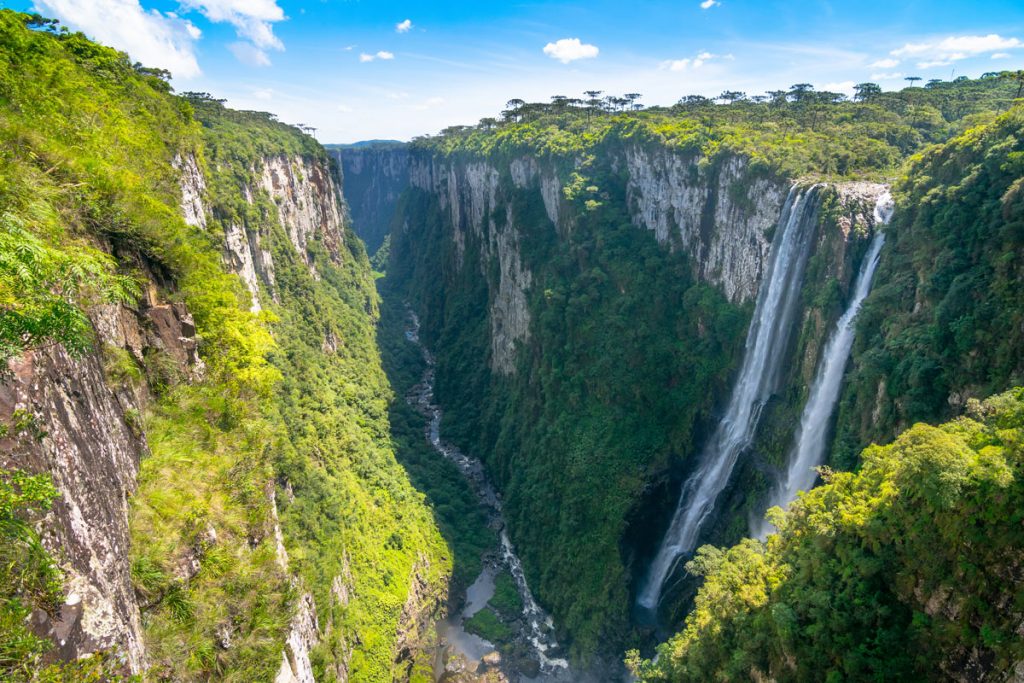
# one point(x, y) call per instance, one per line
point(190, 326)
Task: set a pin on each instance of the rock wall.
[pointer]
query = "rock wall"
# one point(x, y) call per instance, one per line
point(309, 208)
point(374, 179)
point(473, 198)
point(87, 436)
point(309, 203)
point(721, 214)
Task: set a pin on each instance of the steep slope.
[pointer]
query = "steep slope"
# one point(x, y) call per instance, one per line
point(907, 570)
point(193, 408)
point(585, 280)
point(946, 323)
point(576, 350)
point(375, 176)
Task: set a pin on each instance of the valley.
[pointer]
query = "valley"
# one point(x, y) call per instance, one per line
point(727, 389)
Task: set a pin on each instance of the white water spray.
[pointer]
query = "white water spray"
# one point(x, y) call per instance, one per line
point(766, 343)
point(809, 451)
point(540, 631)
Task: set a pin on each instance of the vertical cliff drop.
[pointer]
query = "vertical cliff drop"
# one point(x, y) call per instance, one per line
point(809, 449)
point(766, 342)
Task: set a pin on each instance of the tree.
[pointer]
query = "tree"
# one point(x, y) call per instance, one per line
point(732, 96)
point(694, 101)
point(514, 110)
point(800, 91)
point(866, 92)
point(1015, 76)
point(631, 98)
point(912, 80)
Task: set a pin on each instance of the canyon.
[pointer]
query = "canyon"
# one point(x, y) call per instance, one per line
point(510, 403)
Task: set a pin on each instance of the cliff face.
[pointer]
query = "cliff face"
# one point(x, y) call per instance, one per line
point(603, 303)
point(720, 214)
point(87, 435)
point(374, 178)
point(309, 207)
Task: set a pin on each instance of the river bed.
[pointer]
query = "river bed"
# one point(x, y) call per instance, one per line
point(534, 630)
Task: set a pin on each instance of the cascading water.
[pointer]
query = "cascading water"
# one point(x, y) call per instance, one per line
point(538, 629)
point(765, 346)
point(810, 442)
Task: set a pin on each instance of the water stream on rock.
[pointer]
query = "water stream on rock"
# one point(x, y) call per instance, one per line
point(766, 343)
point(538, 629)
point(809, 451)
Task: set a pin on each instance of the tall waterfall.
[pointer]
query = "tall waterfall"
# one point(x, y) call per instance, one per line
point(809, 450)
point(766, 343)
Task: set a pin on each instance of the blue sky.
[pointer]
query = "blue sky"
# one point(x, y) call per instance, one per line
point(361, 69)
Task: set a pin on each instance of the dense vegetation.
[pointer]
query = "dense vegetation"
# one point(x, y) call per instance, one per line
point(947, 319)
point(606, 391)
point(907, 570)
point(89, 199)
point(796, 132)
point(627, 353)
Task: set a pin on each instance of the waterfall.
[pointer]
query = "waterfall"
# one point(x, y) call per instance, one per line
point(766, 343)
point(809, 451)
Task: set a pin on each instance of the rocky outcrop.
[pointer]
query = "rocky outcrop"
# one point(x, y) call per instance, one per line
point(720, 213)
point(304, 635)
point(374, 178)
point(415, 624)
point(87, 436)
point(83, 440)
point(309, 207)
point(309, 204)
point(193, 189)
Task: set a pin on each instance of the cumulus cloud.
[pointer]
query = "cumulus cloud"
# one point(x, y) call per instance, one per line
point(1001, 55)
point(691, 62)
point(884, 63)
point(883, 76)
point(253, 19)
point(162, 40)
point(569, 50)
point(955, 48)
point(249, 54)
point(383, 54)
point(708, 4)
point(403, 26)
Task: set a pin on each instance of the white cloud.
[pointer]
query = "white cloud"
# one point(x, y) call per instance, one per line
point(403, 26)
point(249, 54)
point(263, 94)
point(955, 48)
point(383, 54)
point(570, 49)
point(429, 103)
point(164, 41)
point(691, 62)
point(884, 63)
point(344, 108)
point(890, 76)
point(708, 4)
point(845, 87)
point(1001, 55)
point(253, 19)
